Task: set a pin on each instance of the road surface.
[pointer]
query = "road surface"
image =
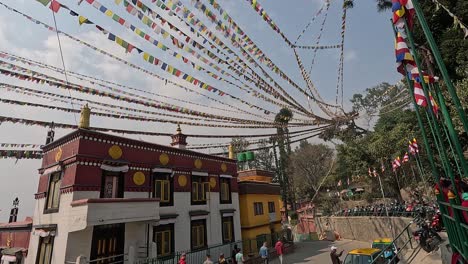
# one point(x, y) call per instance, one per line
point(318, 252)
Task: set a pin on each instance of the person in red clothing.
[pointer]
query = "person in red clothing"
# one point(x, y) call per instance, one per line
point(445, 185)
point(279, 250)
point(182, 259)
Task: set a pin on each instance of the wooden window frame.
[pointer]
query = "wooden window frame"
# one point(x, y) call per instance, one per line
point(41, 242)
point(225, 183)
point(48, 209)
point(164, 178)
point(120, 185)
point(164, 229)
point(271, 209)
point(113, 234)
point(230, 229)
point(259, 210)
point(200, 191)
point(200, 226)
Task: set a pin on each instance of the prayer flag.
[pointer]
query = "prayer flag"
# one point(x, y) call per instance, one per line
point(55, 6)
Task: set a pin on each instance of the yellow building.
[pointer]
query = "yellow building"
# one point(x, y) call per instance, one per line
point(260, 203)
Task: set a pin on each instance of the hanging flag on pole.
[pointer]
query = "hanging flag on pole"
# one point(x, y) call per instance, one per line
point(382, 166)
point(370, 173)
point(374, 172)
point(406, 157)
point(411, 148)
point(415, 145)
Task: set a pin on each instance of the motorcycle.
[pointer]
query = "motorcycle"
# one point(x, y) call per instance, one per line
point(426, 236)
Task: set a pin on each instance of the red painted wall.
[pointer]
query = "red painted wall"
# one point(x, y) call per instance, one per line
point(18, 239)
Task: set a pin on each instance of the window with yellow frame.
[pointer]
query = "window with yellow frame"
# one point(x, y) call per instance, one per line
point(198, 234)
point(225, 190)
point(228, 229)
point(200, 190)
point(164, 239)
point(162, 189)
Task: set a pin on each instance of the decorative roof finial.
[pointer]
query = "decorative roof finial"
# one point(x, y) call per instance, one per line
point(84, 117)
point(179, 130)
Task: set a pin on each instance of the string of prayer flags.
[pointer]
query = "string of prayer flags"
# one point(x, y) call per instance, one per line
point(262, 12)
point(20, 154)
point(456, 20)
point(54, 97)
point(78, 75)
point(247, 45)
point(17, 145)
point(54, 82)
point(174, 71)
point(120, 115)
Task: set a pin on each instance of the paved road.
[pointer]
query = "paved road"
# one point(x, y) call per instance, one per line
point(318, 252)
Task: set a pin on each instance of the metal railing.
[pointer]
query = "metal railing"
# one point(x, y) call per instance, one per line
point(249, 247)
point(457, 229)
point(403, 239)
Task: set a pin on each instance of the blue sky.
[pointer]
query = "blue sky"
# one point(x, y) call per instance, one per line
point(369, 60)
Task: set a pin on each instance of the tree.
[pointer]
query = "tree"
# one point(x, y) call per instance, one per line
point(282, 139)
point(264, 159)
point(309, 164)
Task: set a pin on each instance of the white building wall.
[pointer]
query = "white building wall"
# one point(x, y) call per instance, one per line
point(182, 207)
point(68, 246)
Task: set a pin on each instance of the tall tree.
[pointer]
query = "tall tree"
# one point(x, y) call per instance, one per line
point(282, 119)
point(264, 159)
point(309, 164)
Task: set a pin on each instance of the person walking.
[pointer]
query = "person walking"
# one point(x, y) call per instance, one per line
point(182, 259)
point(233, 255)
point(239, 257)
point(208, 259)
point(335, 258)
point(221, 259)
point(279, 247)
point(264, 253)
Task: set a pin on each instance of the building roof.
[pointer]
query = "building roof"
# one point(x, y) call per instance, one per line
point(86, 132)
point(26, 224)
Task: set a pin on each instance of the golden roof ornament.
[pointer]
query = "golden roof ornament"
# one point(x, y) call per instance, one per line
point(85, 117)
point(178, 130)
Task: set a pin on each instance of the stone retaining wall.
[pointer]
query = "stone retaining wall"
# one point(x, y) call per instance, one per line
point(364, 228)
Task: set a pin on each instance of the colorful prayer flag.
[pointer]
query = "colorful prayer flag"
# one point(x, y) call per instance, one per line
point(55, 6)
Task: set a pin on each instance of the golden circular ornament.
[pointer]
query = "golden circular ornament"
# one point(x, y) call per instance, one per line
point(198, 164)
point(223, 167)
point(164, 159)
point(182, 180)
point(58, 155)
point(115, 152)
point(139, 178)
point(212, 183)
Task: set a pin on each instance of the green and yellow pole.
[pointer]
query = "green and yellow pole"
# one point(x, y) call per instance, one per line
point(440, 63)
point(430, 155)
point(431, 114)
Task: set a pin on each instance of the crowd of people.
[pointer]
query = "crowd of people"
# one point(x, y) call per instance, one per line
point(237, 256)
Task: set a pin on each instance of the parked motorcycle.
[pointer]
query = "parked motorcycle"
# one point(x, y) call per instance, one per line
point(426, 236)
